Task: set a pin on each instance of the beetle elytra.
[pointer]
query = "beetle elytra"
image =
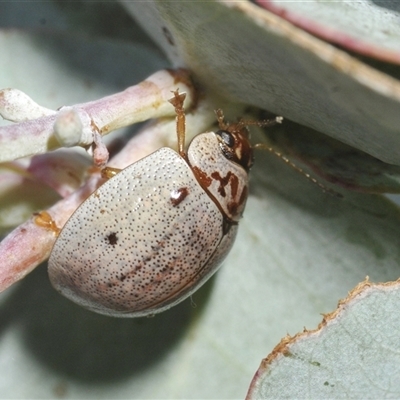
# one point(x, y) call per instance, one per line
point(155, 232)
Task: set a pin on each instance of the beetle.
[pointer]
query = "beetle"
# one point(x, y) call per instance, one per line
point(159, 229)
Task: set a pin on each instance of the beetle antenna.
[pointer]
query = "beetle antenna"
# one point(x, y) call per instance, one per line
point(243, 122)
point(221, 120)
point(262, 124)
point(284, 158)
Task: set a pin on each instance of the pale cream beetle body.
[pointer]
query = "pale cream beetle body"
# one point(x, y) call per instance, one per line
point(154, 233)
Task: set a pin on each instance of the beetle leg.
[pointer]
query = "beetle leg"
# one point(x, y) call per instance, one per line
point(177, 102)
point(109, 172)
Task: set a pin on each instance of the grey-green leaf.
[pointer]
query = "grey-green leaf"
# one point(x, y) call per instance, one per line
point(255, 57)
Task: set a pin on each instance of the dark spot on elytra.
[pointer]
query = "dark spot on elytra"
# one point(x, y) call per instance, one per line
point(178, 195)
point(112, 238)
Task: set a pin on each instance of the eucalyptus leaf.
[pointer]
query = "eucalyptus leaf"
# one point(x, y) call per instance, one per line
point(368, 27)
point(298, 250)
point(252, 56)
point(354, 348)
point(334, 161)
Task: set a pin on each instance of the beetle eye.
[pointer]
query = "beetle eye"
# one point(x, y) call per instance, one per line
point(235, 146)
point(227, 138)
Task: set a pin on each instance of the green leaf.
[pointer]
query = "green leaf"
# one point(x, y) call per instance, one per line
point(352, 354)
point(334, 161)
point(339, 22)
point(254, 57)
point(298, 250)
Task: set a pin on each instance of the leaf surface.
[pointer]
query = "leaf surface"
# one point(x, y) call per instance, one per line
point(252, 56)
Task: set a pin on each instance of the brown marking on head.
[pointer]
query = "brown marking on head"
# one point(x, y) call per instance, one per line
point(230, 179)
point(204, 180)
point(234, 205)
point(243, 195)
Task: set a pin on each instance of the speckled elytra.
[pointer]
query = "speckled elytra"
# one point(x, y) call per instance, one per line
point(155, 232)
